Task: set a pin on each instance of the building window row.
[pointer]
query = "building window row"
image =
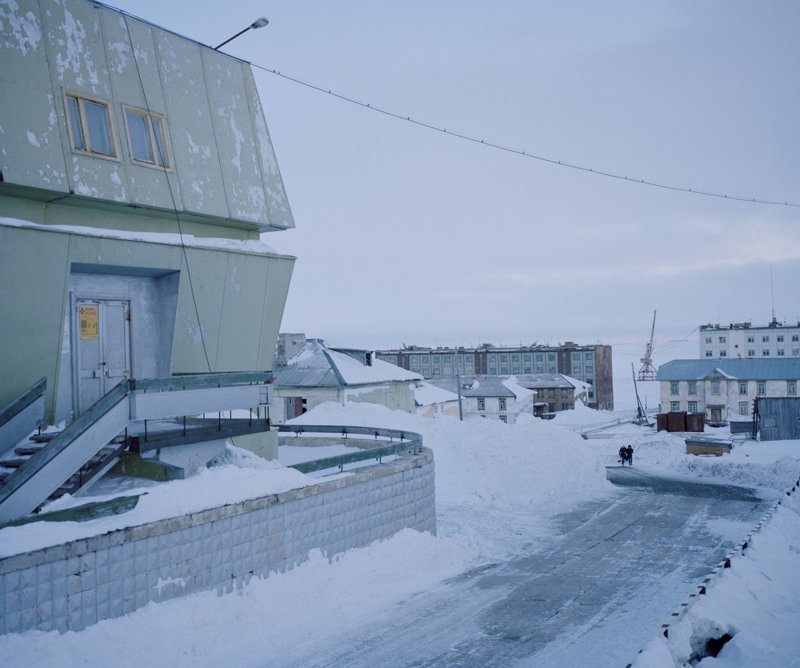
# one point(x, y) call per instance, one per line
point(91, 131)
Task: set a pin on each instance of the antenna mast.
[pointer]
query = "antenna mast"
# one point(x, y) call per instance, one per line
point(647, 370)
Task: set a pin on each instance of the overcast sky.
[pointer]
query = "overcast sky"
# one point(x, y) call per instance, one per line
point(405, 235)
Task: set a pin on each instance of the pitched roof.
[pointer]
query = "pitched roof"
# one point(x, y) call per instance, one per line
point(318, 366)
point(426, 394)
point(476, 386)
point(742, 369)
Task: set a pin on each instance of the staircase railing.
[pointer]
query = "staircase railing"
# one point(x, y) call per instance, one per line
point(38, 477)
point(22, 415)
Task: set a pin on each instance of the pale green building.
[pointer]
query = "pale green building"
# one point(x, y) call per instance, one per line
point(136, 177)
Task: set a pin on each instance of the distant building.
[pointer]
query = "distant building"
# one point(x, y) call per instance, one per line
point(491, 397)
point(432, 401)
point(590, 364)
point(318, 374)
point(553, 392)
point(741, 340)
point(725, 389)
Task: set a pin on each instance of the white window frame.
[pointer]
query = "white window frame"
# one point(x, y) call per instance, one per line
point(674, 406)
point(149, 116)
point(86, 137)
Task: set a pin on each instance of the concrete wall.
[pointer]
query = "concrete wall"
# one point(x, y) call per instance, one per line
point(77, 584)
point(396, 395)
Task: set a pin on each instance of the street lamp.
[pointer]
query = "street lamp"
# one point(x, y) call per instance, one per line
point(258, 23)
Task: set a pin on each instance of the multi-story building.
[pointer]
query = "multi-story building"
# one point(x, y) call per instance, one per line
point(723, 389)
point(741, 340)
point(590, 364)
point(137, 175)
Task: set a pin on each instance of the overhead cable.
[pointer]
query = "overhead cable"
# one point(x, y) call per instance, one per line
point(519, 152)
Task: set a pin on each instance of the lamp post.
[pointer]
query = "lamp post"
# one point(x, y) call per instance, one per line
point(258, 23)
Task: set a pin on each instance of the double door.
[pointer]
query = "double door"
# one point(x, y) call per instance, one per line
point(103, 348)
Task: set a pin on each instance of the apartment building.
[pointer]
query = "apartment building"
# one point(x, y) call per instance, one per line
point(741, 340)
point(590, 364)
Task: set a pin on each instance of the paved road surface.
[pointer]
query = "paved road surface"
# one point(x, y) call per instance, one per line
point(593, 596)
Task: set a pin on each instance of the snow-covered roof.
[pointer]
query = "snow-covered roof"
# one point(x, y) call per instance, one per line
point(544, 381)
point(316, 365)
point(520, 392)
point(747, 369)
point(476, 386)
point(426, 394)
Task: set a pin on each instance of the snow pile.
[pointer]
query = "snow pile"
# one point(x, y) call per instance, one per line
point(756, 601)
point(497, 486)
point(493, 480)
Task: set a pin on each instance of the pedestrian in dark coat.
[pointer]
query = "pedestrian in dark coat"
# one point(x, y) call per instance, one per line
point(623, 455)
point(629, 454)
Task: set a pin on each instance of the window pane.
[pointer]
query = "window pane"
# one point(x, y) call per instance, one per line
point(99, 131)
point(75, 125)
point(158, 131)
point(139, 135)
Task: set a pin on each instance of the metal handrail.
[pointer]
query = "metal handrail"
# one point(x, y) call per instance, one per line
point(61, 442)
point(200, 381)
point(107, 402)
point(8, 412)
point(408, 441)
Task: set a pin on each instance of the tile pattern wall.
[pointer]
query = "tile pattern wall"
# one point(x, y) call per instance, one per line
point(74, 585)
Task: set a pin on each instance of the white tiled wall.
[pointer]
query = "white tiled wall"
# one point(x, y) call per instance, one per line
point(74, 585)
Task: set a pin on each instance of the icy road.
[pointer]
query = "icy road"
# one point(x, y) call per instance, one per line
point(594, 595)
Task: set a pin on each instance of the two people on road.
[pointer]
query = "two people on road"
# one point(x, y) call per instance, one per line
point(626, 455)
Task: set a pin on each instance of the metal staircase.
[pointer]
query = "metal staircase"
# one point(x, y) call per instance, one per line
point(89, 446)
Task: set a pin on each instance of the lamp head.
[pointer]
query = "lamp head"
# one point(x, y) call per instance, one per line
point(259, 23)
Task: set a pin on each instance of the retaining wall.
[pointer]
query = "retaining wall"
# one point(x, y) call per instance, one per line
point(74, 585)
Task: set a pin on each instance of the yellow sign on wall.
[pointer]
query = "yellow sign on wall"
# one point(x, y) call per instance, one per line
point(88, 322)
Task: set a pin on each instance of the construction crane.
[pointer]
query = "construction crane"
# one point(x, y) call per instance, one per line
point(647, 371)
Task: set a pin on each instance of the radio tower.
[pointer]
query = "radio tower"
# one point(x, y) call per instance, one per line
point(647, 371)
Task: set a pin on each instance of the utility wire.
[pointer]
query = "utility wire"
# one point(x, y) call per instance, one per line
point(174, 202)
point(516, 151)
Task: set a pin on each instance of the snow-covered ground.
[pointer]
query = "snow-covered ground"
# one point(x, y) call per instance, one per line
point(497, 488)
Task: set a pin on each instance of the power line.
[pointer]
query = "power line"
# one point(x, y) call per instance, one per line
point(520, 152)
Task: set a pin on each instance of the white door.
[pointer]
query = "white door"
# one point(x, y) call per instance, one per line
point(104, 347)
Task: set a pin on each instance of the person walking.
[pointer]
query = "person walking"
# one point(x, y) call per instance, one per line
point(623, 454)
point(629, 455)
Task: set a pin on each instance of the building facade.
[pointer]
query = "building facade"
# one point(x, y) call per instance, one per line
point(590, 364)
point(552, 392)
point(725, 389)
point(317, 374)
point(136, 176)
point(743, 341)
point(490, 397)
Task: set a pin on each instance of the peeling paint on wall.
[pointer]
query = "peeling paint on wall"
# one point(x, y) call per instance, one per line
point(25, 32)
